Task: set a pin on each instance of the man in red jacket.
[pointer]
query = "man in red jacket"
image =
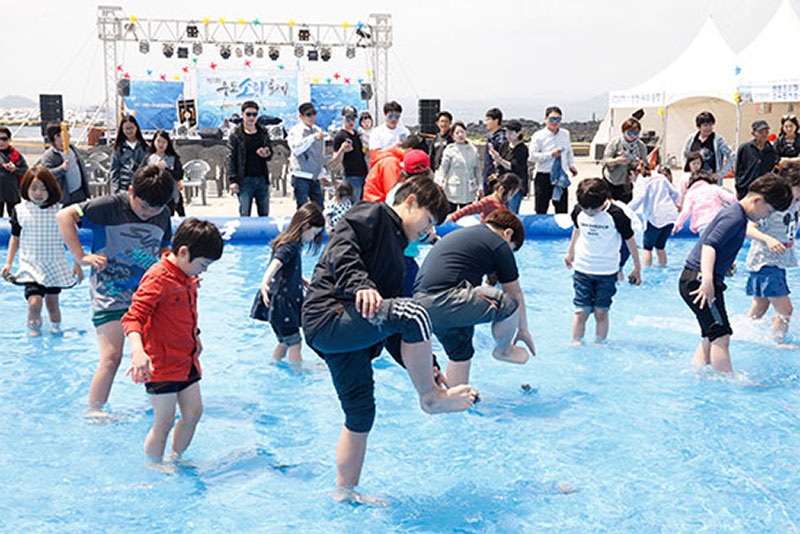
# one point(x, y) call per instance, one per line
point(385, 169)
point(161, 326)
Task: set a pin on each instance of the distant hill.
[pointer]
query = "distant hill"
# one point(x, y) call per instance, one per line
point(16, 101)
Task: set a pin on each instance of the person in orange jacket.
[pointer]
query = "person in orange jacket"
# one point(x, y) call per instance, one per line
point(385, 168)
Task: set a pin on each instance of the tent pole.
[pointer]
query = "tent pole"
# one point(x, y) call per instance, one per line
point(664, 120)
point(738, 123)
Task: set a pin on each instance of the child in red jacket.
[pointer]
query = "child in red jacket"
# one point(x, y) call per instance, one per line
point(161, 326)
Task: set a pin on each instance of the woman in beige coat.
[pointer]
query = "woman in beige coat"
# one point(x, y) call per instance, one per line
point(458, 172)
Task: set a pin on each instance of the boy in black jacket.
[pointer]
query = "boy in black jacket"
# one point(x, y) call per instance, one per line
point(353, 307)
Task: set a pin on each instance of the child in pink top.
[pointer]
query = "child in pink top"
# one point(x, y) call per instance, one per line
point(703, 201)
point(694, 162)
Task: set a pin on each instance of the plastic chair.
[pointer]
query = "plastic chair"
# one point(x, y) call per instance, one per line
point(98, 178)
point(194, 177)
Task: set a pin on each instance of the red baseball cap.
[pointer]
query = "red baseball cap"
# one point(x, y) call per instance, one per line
point(416, 161)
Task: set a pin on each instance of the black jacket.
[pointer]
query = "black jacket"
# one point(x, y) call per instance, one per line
point(752, 163)
point(234, 165)
point(365, 252)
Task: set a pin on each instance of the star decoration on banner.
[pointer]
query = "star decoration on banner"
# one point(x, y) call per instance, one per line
point(347, 80)
point(346, 25)
point(291, 23)
point(241, 21)
point(328, 80)
point(133, 18)
point(360, 80)
point(281, 67)
point(119, 67)
point(163, 77)
point(206, 20)
point(369, 73)
point(247, 62)
point(177, 78)
point(222, 20)
point(185, 69)
point(149, 72)
point(256, 22)
point(360, 25)
point(336, 76)
point(316, 80)
point(213, 65)
point(194, 60)
point(126, 75)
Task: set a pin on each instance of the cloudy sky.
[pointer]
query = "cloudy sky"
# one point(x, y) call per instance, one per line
point(482, 52)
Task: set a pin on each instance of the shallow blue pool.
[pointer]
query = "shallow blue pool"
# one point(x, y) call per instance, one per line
point(650, 444)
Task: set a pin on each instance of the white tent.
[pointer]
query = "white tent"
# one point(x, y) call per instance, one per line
point(703, 77)
point(769, 81)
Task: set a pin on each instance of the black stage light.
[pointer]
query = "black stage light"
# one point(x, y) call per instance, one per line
point(168, 50)
point(192, 31)
point(313, 54)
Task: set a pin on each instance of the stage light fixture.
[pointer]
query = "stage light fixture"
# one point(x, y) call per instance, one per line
point(144, 47)
point(238, 51)
point(168, 49)
point(260, 52)
point(192, 31)
point(313, 54)
point(274, 53)
point(249, 49)
point(225, 51)
point(183, 52)
point(325, 53)
point(197, 49)
point(350, 52)
point(304, 35)
point(298, 51)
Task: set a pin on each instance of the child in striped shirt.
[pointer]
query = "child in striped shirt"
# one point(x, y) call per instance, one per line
point(503, 190)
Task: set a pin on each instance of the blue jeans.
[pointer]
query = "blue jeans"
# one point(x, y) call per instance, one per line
point(358, 185)
point(253, 188)
point(305, 190)
point(515, 202)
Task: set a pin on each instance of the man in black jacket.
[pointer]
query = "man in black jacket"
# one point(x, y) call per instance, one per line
point(754, 158)
point(249, 149)
point(353, 306)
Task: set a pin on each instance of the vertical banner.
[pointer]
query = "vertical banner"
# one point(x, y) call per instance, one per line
point(220, 94)
point(154, 103)
point(329, 99)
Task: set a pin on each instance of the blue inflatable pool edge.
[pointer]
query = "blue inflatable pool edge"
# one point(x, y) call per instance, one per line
point(264, 229)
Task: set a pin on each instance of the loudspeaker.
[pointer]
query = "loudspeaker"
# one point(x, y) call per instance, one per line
point(366, 91)
point(51, 109)
point(210, 133)
point(124, 87)
point(428, 109)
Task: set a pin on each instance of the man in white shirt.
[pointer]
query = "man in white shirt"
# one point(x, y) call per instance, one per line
point(548, 144)
point(307, 142)
point(391, 131)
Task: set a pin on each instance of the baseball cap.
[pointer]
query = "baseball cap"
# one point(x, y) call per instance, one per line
point(760, 125)
point(416, 161)
point(350, 112)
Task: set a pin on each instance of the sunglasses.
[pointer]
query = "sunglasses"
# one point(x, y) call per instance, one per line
point(393, 115)
point(554, 119)
point(350, 119)
point(4, 138)
point(251, 114)
point(310, 113)
point(633, 133)
point(789, 117)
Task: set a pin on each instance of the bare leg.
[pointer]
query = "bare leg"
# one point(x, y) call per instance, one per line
point(720, 355)
point(191, 403)
point(279, 352)
point(601, 324)
point(458, 372)
point(163, 419)
point(662, 257)
point(419, 364)
point(111, 339)
point(702, 356)
point(503, 332)
point(35, 315)
point(783, 313)
point(53, 311)
point(647, 258)
point(350, 457)
point(295, 354)
point(579, 327)
point(758, 308)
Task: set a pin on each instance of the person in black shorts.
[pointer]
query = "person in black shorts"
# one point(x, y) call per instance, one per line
point(701, 283)
point(353, 307)
point(449, 288)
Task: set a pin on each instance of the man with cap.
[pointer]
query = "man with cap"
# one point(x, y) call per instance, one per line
point(754, 158)
point(348, 149)
point(386, 166)
point(307, 142)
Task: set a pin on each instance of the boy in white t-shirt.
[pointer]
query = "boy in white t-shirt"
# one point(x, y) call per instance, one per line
point(594, 252)
point(391, 131)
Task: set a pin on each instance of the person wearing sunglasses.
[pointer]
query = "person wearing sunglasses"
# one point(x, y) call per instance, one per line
point(788, 142)
point(249, 149)
point(391, 131)
point(348, 150)
point(307, 142)
point(620, 154)
point(12, 167)
point(718, 157)
point(548, 144)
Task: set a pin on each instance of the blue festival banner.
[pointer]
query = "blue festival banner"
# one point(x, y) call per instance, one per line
point(220, 94)
point(329, 99)
point(155, 103)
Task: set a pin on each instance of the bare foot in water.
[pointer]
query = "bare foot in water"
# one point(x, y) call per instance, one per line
point(351, 496)
point(511, 355)
point(455, 399)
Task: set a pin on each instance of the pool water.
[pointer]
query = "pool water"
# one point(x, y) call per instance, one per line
point(648, 443)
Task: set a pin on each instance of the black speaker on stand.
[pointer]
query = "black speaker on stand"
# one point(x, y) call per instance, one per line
point(51, 109)
point(428, 109)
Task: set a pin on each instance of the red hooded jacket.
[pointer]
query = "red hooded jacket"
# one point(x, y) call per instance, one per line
point(383, 174)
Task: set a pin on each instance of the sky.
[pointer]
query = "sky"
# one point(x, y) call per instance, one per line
point(471, 54)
